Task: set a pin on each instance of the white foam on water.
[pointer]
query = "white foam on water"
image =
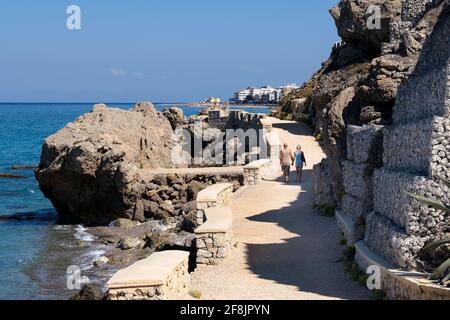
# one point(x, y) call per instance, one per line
point(83, 235)
point(87, 260)
point(61, 228)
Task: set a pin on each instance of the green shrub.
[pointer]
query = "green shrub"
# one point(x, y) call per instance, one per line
point(379, 295)
point(318, 137)
point(359, 68)
point(196, 294)
point(327, 210)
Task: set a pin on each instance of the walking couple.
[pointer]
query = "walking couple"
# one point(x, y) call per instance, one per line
point(288, 159)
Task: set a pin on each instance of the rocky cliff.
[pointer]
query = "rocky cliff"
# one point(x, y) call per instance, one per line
point(358, 84)
point(87, 167)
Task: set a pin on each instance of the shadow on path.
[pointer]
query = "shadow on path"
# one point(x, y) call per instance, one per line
point(310, 259)
point(294, 128)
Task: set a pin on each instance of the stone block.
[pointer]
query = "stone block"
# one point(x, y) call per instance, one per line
point(355, 207)
point(364, 144)
point(390, 242)
point(357, 179)
point(322, 184)
point(353, 230)
point(407, 147)
point(392, 201)
point(424, 94)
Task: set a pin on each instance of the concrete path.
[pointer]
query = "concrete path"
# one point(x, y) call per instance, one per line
point(285, 249)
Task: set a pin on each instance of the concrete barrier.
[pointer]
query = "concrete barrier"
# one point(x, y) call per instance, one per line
point(253, 172)
point(266, 124)
point(400, 284)
point(162, 276)
point(217, 195)
point(215, 236)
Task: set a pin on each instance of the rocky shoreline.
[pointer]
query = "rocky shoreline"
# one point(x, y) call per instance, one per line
point(111, 171)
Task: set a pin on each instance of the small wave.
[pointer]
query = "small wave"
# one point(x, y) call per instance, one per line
point(61, 227)
point(67, 246)
point(82, 234)
point(31, 191)
point(87, 260)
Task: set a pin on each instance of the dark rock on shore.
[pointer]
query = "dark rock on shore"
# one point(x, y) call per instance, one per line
point(89, 292)
point(128, 244)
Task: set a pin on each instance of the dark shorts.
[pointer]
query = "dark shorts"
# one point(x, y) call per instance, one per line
point(286, 169)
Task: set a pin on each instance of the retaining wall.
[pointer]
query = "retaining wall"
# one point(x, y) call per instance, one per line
point(415, 150)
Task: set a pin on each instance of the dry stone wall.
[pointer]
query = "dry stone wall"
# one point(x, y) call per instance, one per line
point(214, 237)
point(213, 247)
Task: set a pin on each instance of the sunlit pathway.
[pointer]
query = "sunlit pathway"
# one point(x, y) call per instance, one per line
point(285, 249)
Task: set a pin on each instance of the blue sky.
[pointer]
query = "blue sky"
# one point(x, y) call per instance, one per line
point(165, 50)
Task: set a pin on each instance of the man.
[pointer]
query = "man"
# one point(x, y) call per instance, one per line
point(286, 161)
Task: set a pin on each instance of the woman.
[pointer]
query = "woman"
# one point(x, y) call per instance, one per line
point(300, 162)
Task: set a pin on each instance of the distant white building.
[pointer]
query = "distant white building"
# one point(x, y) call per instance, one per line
point(242, 95)
point(263, 95)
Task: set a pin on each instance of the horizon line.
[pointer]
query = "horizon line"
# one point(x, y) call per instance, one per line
point(88, 102)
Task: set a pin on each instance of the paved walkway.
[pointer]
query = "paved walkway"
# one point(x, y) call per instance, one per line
point(285, 249)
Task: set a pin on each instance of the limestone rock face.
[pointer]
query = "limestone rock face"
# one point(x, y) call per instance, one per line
point(88, 168)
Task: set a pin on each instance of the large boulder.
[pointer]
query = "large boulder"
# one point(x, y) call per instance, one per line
point(352, 16)
point(89, 169)
point(89, 293)
point(175, 117)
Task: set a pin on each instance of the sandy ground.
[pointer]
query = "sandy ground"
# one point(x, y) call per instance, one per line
point(284, 249)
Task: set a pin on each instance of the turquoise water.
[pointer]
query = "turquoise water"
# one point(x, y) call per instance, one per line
point(35, 252)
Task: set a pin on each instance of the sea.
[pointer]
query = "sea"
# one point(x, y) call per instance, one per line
point(35, 251)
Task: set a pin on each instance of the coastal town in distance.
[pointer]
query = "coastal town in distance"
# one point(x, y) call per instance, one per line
point(263, 96)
